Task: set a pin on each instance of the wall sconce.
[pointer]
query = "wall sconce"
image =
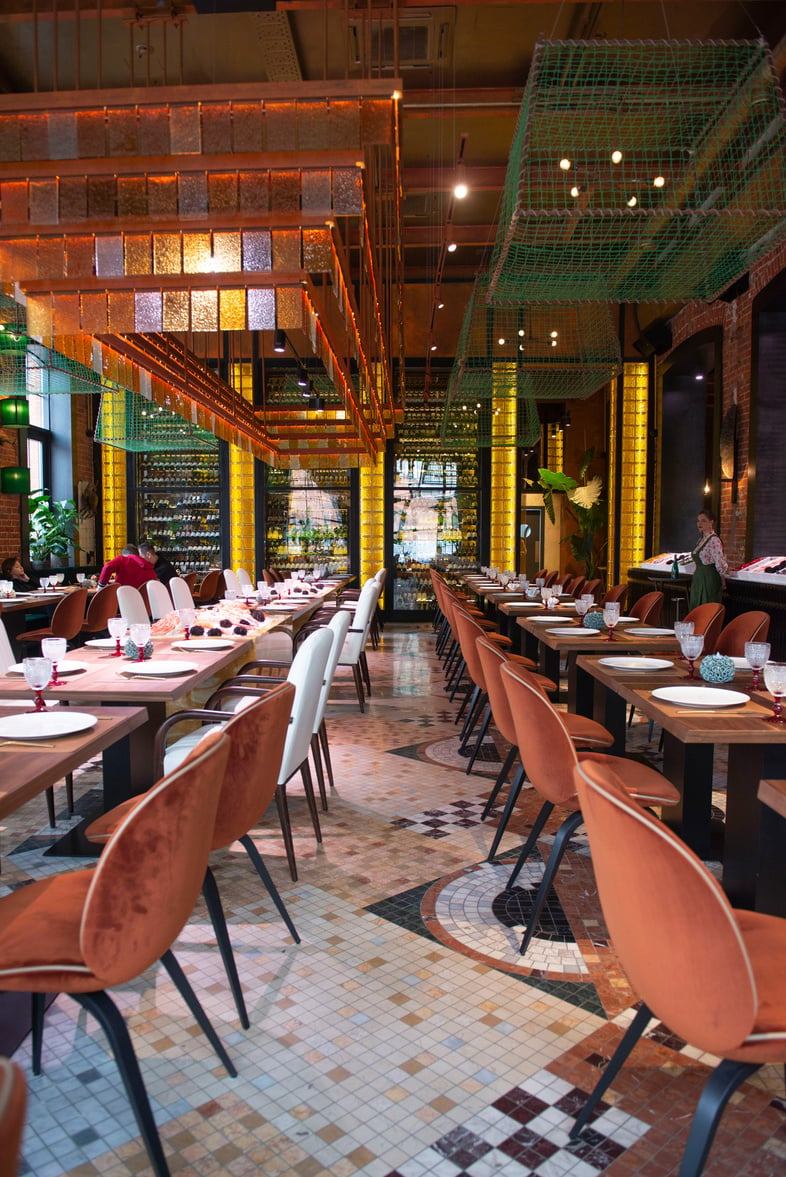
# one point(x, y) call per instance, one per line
point(15, 480)
point(14, 412)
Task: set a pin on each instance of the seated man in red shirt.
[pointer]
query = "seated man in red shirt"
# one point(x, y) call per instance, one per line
point(127, 568)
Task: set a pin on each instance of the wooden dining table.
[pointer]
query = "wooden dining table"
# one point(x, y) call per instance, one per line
point(756, 749)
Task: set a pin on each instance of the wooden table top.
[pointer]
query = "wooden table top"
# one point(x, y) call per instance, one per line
point(627, 638)
point(743, 724)
point(773, 794)
point(27, 770)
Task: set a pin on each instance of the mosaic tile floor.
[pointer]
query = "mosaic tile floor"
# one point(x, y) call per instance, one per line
point(405, 1035)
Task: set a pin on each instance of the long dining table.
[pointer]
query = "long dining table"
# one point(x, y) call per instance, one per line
point(691, 734)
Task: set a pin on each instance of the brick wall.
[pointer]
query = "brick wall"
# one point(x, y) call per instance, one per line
point(10, 529)
point(736, 320)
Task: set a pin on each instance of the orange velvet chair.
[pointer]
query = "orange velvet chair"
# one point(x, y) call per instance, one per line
point(648, 608)
point(584, 732)
point(101, 607)
point(211, 588)
point(617, 592)
point(84, 931)
point(752, 626)
point(549, 757)
point(13, 1101)
point(190, 578)
point(67, 618)
point(257, 734)
point(712, 974)
point(591, 586)
point(708, 620)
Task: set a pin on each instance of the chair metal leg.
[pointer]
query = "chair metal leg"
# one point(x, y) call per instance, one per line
point(272, 889)
point(361, 694)
point(364, 668)
point(37, 1020)
point(50, 806)
point(483, 729)
point(612, 1068)
point(467, 696)
point(569, 825)
point(323, 739)
point(215, 910)
point(172, 966)
point(473, 702)
point(317, 757)
point(500, 781)
point(718, 1089)
point(311, 801)
point(101, 1006)
point(515, 789)
point(286, 829)
point(529, 845)
point(472, 720)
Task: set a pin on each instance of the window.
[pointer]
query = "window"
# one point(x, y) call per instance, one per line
point(39, 443)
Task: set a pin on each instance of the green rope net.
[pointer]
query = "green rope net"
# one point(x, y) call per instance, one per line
point(641, 171)
point(28, 367)
point(129, 422)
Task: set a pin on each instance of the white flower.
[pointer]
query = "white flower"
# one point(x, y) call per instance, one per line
point(587, 496)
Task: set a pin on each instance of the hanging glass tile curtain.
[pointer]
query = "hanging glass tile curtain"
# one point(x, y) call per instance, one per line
point(526, 353)
point(128, 421)
point(641, 171)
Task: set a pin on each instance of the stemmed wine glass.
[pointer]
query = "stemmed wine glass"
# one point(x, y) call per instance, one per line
point(757, 655)
point(117, 627)
point(44, 582)
point(775, 682)
point(582, 608)
point(38, 672)
point(611, 615)
point(187, 620)
point(682, 629)
point(140, 636)
point(692, 645)
point(80, 578)
point(54, 649)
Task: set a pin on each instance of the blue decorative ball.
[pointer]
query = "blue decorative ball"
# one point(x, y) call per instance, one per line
point(716, 668)
point(131, 650)
point(593, 620)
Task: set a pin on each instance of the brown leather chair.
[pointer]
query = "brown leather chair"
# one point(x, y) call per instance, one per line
point(752, 626)
point(712, 974)
point(549, 758)
point(190, 578)
point(617, 592)
point(707, 620)
point(211, 588)
point(101, 607)
point(67, 618)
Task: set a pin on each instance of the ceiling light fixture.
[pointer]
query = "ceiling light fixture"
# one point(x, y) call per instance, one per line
point(632, 202)
point(452, 247)
point(574, 191)
point(564, 163)
point(460, 191)
point(302, 377)
point(279, 341)
point(659, 181)
point(616, 156)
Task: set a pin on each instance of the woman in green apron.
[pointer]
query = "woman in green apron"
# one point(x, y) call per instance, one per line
point(711, 566)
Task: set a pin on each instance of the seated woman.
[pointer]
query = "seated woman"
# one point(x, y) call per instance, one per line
point(12, 570)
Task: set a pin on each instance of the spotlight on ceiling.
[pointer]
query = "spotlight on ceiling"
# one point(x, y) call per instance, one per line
point(279, 341)
point(302, 378)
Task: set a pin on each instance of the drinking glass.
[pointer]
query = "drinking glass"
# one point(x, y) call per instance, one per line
point(545, 593)
point(186, 620)
point(611, 615)
point(117, 627)
point(539, 581)
point(692, 645)
point(556, 590)
point(80, 578)
point(582, 608)
point(38, 672)
point(532, 591)
point(54, 649)
point(683, 629)
point(757, 655)
point(44, 582)
point(59, 577)
point(775, 682)
point(140, 636)
point(589, 598)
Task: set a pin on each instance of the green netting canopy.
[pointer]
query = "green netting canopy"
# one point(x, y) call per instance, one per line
point(129, 422)
point(641, 171)
point(28, 367)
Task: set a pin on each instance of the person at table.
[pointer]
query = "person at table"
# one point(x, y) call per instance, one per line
point(13, 570)
point(127, 568)
point(711, 566)
point(164, 569)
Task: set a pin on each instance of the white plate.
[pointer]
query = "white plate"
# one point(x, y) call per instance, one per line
point(575, 633)
point(619, 619)
point(155, 668)
point(103, 643)
point(553, 620)
point(700, 696)
point(636, 663)
point(203, 644)
point(740, 663)
point(40, 725)
point(646, 632)
point(65, 667)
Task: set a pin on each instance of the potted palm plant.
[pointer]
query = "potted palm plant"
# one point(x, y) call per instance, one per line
point(52, 524)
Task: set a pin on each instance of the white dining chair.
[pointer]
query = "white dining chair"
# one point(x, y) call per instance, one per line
point(159, 599)
point(354, 651)
point(131, 604)
point(181, 593)
point(245, 578)
point(232, 582)
point(320, 750)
